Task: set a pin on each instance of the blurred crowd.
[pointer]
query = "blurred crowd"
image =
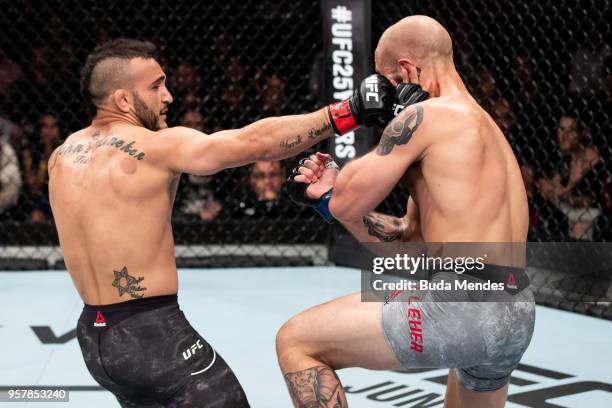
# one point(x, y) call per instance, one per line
point(564, 159)
point(245, 95)
point(254, 192)
point(563, 151)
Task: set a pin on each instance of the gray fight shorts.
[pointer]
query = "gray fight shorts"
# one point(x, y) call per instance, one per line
point(481, 335)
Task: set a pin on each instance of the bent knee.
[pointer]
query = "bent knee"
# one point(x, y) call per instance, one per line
point(284, 337)
point(289, 336)
point(295, 339)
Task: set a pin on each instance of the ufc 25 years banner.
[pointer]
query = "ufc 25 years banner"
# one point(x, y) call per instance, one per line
point(348, 59)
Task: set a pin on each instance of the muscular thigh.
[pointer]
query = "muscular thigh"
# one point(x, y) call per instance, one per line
point(344, 332)
point(483, 340)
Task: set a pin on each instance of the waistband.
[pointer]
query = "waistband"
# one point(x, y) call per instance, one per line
point(514, 279)
point(104, 316)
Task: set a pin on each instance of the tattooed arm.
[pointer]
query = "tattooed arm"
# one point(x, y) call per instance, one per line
point(186, 150)
point(377, 227)
point(363, 183)
point(318, 174)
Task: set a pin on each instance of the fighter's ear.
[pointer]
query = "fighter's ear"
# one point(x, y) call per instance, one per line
point(121, 98)
point(406, 66)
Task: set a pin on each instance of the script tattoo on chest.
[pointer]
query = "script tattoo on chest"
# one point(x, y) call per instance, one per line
point(83, 150)
point(126, 283)
point(400, 130)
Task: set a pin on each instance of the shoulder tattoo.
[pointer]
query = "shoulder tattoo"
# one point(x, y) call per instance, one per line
point(400, 130)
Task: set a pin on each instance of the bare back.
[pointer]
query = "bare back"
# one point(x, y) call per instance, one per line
point(112, 209)
point(468, 185)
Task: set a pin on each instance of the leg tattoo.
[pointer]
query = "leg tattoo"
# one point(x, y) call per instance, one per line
point(316, 387)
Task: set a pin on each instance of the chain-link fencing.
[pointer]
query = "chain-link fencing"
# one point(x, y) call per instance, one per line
point(228, 64)
point(542, 70)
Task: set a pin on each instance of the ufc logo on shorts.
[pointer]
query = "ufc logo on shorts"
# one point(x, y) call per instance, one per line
point(372, 87)
point(192, 350)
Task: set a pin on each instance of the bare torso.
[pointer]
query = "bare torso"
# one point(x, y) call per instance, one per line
point(112, 209)
point(113, 184)
point(468, 186)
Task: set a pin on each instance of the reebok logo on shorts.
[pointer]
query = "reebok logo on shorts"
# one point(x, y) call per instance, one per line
point(392, 296)
point(511, 281)
point(100, 321)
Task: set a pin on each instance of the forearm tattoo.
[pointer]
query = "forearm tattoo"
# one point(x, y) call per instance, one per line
point(126, 283)
point(400, 130)
point(385, 228)
point(290, 143)
point(314, 133)
point(316, 387)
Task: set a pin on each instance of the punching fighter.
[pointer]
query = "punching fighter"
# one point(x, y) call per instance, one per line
point(112, 186)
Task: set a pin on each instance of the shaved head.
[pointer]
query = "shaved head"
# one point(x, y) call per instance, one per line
point(419, 38)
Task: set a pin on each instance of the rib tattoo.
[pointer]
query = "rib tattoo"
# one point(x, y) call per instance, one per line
point(316, 387)
point(400, 130)
point(385, 228)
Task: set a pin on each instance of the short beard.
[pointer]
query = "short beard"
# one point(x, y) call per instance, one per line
point(147, 117)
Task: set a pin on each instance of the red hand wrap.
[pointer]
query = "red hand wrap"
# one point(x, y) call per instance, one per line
point(341, 117)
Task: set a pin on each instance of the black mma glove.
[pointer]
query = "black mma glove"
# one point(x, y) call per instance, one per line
point(408, 94)
point(371, 104)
